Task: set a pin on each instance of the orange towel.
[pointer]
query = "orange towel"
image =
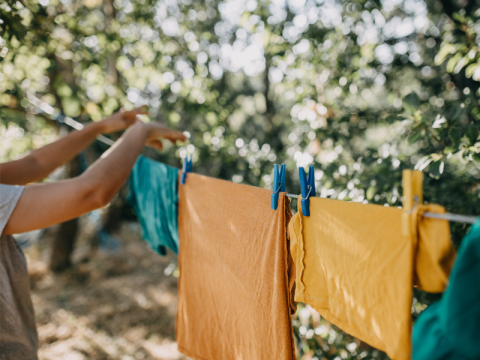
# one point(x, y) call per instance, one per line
point(356, 268)
point(236, 273)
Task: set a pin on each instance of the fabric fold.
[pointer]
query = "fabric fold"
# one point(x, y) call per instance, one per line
point(434, 255)
point(356, 268)
point(236, 274)
point(154, 197)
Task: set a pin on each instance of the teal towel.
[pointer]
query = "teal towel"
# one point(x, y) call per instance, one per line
point(154, 198)
point(450, 328)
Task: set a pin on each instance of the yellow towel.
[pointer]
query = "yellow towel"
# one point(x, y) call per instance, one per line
point(356, 268)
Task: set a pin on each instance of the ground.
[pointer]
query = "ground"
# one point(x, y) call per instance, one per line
point(109, 305)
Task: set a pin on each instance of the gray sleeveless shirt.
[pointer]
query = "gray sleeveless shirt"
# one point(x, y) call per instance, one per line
point(18, 335)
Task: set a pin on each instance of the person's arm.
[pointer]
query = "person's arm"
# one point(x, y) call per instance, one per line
point(43, 205)
point(41, 162)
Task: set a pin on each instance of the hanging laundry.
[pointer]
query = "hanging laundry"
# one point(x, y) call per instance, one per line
point(434, 254)
point(154, 198)
point(450, 329)
point(356, 268)
point(236, 273)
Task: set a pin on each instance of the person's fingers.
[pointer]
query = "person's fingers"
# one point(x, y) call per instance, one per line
point(142, 110)
point(173, 140)
point(176, 135)
point(157, 144)
point(130, 118)
point(158, 130)
point(132, 114)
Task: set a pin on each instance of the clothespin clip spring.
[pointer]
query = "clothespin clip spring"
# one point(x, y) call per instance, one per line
point(416, 200)
point(279, 188)
point(307, 185)
point(309, 192)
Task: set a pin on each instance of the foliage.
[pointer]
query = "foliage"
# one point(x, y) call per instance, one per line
point(361, 89)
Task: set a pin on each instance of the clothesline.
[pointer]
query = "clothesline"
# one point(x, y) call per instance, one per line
point(450, 217)
point(46, 108)
point(43, 106)
point(469, 219)
point(231, 237)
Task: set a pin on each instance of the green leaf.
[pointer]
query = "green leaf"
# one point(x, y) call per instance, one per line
point(459, 17)
point(372, 190)
point(461, 64)
point(436, 169)
point(476, 157)
point(470, 70)
point(453, 62)
point(412, 139)
point(423, 163)
point(411, 102)
point(472, 133)
point(455, 136)
point(445, 51)
point(439, 121)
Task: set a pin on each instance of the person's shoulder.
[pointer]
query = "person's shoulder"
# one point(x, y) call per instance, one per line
point(9, 192)
point(9, 196)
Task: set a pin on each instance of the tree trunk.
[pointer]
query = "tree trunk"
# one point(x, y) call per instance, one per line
point(64, 241)
point(114, 215)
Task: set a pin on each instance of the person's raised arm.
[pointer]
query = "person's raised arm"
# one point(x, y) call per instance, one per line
point(41, 162)
point(43, 205)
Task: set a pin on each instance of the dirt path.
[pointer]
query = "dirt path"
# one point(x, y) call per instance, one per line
point(109, 306)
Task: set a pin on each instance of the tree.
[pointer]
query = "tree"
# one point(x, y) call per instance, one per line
point(361, 89)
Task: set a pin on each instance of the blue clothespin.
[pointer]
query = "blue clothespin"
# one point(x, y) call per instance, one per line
point(278, 184)
point(307, 186)
point(186, 168)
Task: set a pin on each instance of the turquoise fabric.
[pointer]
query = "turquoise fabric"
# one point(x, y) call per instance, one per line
point(450, 328)
point(154, 198)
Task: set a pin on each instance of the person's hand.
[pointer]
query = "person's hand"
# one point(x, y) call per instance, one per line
point(157, 131)
point(121, 120)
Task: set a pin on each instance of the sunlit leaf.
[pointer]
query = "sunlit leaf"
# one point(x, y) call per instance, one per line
point(452, 63)
point(371, 191)
point(423, 163)
point(470, 70)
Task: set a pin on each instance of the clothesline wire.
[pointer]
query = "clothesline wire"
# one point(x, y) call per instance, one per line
point(447, 216)
point(453, 217)
point(49, 110)
point(44, 107)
